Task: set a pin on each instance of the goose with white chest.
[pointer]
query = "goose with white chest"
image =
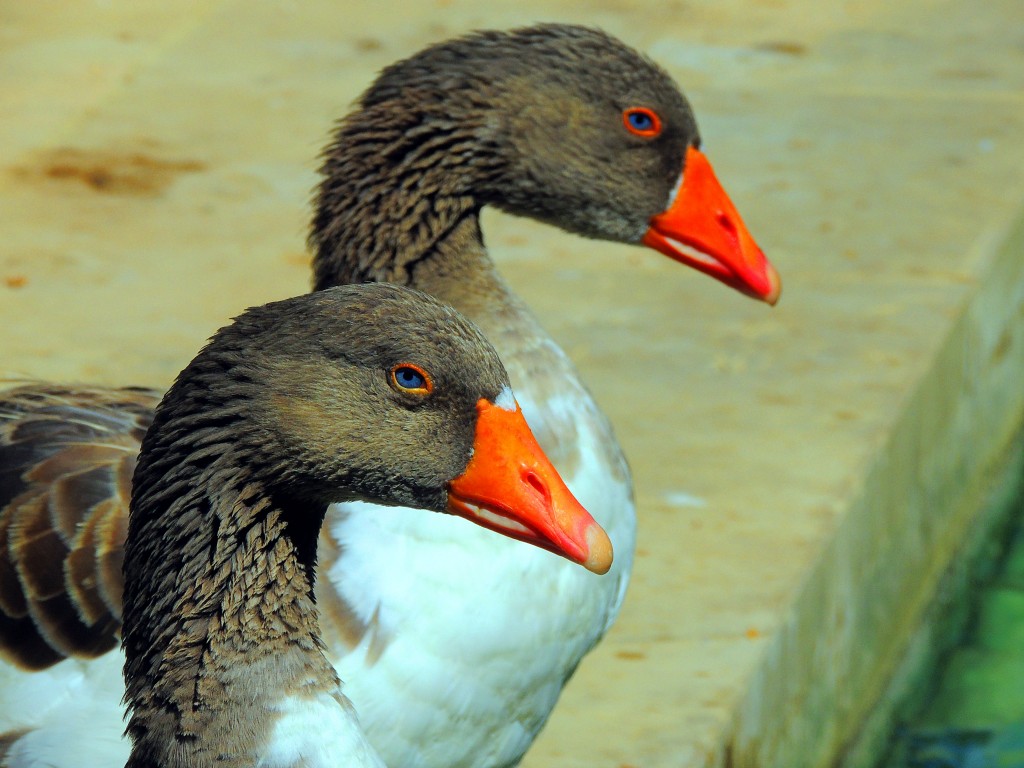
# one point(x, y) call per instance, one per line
point(359, 392)
point(568, 126)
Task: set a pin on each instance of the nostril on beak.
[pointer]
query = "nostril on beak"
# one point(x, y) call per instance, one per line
point(726, 223)
point(532, 478)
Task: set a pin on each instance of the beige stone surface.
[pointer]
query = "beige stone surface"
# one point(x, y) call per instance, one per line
point(803, 473)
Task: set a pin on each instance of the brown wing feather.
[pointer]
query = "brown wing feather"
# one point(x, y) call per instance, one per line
point(39, 553)
point(111, 532)
point(66, 461)
point(82, 580)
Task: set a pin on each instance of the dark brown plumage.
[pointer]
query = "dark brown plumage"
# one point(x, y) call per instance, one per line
point(66, 461)
point(286, 410)
point(529, 121)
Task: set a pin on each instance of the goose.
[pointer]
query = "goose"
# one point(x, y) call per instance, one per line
point(371, 392)
point(559, 123)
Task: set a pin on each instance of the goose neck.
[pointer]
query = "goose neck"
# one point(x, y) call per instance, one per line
point(220, 627)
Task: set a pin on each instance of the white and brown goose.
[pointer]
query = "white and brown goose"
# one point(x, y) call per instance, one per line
point(371, 393)
point(555, 122)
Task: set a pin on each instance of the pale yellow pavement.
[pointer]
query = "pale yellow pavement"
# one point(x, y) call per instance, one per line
point(804, 473)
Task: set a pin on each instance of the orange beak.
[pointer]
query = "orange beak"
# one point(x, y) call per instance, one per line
point(703, 229)
point(511, 487)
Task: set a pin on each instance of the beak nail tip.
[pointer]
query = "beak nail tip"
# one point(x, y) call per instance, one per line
point(599, 550)
point(774, 288)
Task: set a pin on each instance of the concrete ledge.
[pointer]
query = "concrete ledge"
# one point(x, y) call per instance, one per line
point(866, 596)
point(947, 617)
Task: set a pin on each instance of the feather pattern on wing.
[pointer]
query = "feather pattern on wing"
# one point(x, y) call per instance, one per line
point(66, 459)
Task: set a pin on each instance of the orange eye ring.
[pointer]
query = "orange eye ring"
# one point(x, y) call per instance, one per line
point(409, 378)
point(641, 121)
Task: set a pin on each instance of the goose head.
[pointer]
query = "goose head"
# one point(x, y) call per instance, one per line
point(560, 123)
point(376, 393)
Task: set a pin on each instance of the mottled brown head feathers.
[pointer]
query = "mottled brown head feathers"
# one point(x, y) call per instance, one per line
point(292, 406)
point(530, 121)
point(300, 391)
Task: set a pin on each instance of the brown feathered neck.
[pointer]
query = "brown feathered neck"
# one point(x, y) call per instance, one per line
point(528, 121)
point(401, 181)
point(400, 200)
point(219, 618)
point(287, 409)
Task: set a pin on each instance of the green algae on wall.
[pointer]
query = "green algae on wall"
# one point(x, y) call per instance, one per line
point(973, 714)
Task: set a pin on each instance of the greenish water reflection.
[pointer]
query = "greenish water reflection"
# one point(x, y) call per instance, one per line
point(975, 716)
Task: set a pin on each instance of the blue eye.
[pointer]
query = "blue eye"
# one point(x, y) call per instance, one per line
point(411, 378)
point(642, 122)
point(407, 378)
